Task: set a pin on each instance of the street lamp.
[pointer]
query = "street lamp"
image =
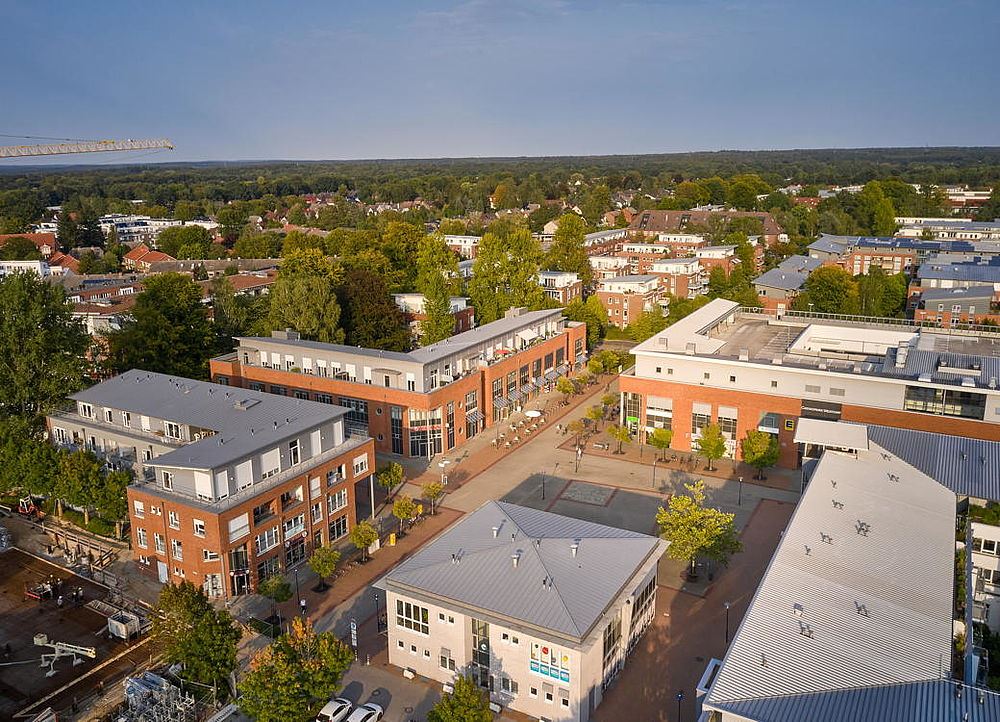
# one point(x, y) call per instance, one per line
point(654, 472)
point(543, 486)
point(679, 698)
point(378, 613)
point(444, 471)
point(727, 605)
point(298, 596)
point(739, 501)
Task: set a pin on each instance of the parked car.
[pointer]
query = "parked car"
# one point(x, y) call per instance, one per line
point(370, 712)
point(336, 710)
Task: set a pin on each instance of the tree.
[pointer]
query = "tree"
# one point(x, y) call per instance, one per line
point(660, 439)
point(829, 289)
point(390, 476)
point(576, 427)
point(371, 318)
point(257, 245)
point(299, 241)
point(695, 530)
point(505, 273)
point(27, 462)
point(323, 562)
point(711, 444)
point(650, 322)
point(566, 387)
point(760, 450)
point(44, 348)
point(195, 239)
point(19, 249)
point(438, 281)
point(438, 322)
point(596, 414)
point(110, 498)
point(608, 400)
point(596, 204)
point(189, 631)
point(433, 490)
point(362, 536)
point(278, 590)
point(168, 331)
point(592, 313)
point(567, 252)
point(404, 509)
point(622, 434)
point(78, 478)
point(293, 677)
point(303, 296)
point(467, 703)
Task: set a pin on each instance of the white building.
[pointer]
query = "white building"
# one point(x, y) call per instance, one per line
point(40, 268)
point(465, 246)
point(540, 609)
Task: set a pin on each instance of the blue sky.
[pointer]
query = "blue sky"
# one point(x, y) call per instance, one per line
point(323, 80)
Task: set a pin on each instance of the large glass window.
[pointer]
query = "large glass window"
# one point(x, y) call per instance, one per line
point(357, 415)
point(946, 402)
point(396, 428)
point(412, 617)
point(338, 527)
point(481, 652)
point(450, 424)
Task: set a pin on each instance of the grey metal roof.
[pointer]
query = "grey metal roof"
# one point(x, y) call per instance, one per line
point(844, 605)
point(264, 421)
point(632, 278)
point(928, 363)
point(973, 271)
point(929, 701)
point(800, 263)
point(957, 294)
point(326, 347)
point(578, 588)
point(785, 279)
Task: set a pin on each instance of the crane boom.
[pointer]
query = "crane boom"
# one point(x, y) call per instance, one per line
point(91, 146)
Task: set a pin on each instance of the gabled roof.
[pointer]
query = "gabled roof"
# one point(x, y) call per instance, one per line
point(472, 565)
point(859, 591)
point(784, 279)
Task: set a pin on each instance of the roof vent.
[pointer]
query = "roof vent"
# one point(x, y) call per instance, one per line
point(993, 382)
point(798, 609)
point(968, 382)
point(574, 548)
point(825, 538)
point(838, 504)
point(924, 378)
point(862, 527)
point(514, 558)
point(805, 630)
point(808, 550)
point(861, 609)
point(496, 531)
point(744, 354)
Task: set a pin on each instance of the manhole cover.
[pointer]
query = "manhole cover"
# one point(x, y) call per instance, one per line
point(407, 709)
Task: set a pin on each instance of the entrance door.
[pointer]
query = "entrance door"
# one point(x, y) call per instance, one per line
point(161, 571)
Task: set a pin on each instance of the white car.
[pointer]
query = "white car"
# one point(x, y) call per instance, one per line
point(370, 712)
point(336, 710)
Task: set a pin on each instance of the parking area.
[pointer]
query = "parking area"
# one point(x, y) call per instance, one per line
point(22, 617)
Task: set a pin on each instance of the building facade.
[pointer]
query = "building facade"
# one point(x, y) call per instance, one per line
point(561, 286)
point(427, 401)
point(231, 486)
point(747, 369)
point(541, 610)
point(625, 298)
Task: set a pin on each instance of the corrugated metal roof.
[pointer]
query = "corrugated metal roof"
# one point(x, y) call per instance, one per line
point(800, 263)
point(930, 701)
point(957, 294)
point(929, 364)
point(577, 590)
point(859, 591)
point(785, 279)
point(272, 418)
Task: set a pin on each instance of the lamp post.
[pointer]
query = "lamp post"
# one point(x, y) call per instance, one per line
point(727, 605)
point(654, 472)
point(679, 698)
point(543, 486)
point(739, 501)
point(298, 596)
point(378, 613)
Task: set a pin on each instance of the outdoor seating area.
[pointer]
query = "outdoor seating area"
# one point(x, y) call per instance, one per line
point(519, 429)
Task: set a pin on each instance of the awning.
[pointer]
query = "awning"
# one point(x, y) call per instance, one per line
point(474, 416)
point(581, 357)
point(527, 335)
point(539, 382)
point(500, 402)
point(551, 376)
point(515, 395)
point(562, 369)
point(527, 389)
point(835, 434)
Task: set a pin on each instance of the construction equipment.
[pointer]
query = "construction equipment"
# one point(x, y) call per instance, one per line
point(61, 649)
point(86, 146)
point(26, 507)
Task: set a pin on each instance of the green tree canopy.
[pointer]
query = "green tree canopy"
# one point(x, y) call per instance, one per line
point(362, 536)
point(193, 633)
point(390, 476)
point(292, 678)
point(19, 249)
point(829, 289)
point(695, 530)
point(304, 297)
point(592, 313)
point(371, 318)
point(711, 444)
point(432, 491)
point(760, 450)
point(467, 703)
point(173, 238)
point(168, 332)
point(404, 508)
point(44, 348)
point(324, 561)
point(505, 273)
point(660, 439)
point(567, 252)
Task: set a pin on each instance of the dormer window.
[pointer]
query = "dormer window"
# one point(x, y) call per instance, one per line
point(87, 410)
point(171, 430)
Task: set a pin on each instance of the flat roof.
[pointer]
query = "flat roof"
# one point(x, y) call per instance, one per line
point(472, 564)
point(859, 592)
point(889, 348)
point(244, 421)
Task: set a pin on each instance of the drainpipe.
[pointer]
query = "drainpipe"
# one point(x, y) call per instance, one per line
point(970, 597)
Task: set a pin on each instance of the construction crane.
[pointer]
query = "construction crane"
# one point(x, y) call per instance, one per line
point(85, 146)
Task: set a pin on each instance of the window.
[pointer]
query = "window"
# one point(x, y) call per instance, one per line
point(659, 369)
point(294, 454)
point(396, 428)
point(335, 475)
point(143, 559)
point(270, 463)
point(427, 654)
point(268, 568)
point(985, 546)
point(549, 692)
point(294, 525)
point(168, 480)
point(278, 390)
point(945, 402)
point(564, 698)
point(774, 384)
point(209, 555)
point(444, 659)
point(159, 544)
point(199, 527)
point(336, 502)
point(87, 410)
point(532, 691)
point(811, 389)
point(109, 416)
point(360, 464)
point(413, 649)
point(178, 572)
point(357, 414)
point(266, 540)
point(126, 419)
point(400, 644)
point(300, 394)
point(449, 619)
point(412, 617)
point(141, 539)
point(508, 685)
point(338, 527)
point(837, 392)
point(324, 398)
point(670, 372)
point(263, 512)
point(171, 430)
point(706, 375)
point(140, 508)
point(316, 513)
point(177, 549)
point(173, 520)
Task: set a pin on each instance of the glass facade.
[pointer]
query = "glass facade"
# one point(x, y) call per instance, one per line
point(945, 402)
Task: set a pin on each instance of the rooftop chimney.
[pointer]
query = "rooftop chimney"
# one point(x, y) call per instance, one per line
point(574, 548)
point(496, 530)
point(513, 559)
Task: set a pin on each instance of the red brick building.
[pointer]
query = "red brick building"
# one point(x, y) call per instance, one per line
point(427, 401)
point(625, 298)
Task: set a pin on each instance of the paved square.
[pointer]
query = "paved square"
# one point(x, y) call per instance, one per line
point(586, 493)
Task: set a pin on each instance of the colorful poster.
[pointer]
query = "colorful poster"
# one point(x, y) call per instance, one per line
point(550, 662)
